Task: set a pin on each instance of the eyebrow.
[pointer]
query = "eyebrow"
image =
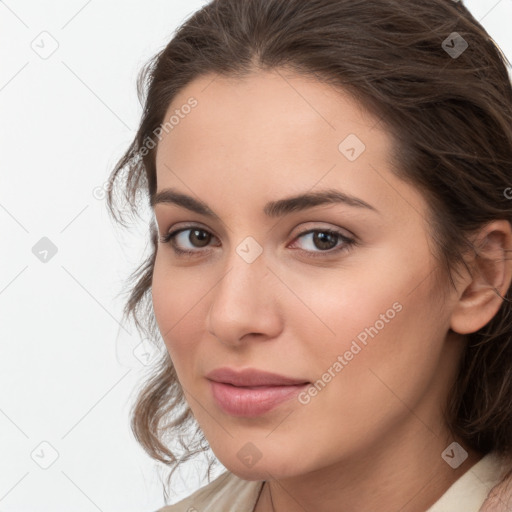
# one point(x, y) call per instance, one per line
point(272, 209)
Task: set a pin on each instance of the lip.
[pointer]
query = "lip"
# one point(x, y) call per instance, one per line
point(252, 377)
point(250, 392)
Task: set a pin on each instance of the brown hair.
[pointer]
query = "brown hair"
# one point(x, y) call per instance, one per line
point(451, 119)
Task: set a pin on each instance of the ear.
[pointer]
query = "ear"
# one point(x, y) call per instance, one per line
point(491, 274)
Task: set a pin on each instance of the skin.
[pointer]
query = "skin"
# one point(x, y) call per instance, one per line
point(372, 438)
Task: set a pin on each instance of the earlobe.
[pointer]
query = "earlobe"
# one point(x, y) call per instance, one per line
point(490, 279)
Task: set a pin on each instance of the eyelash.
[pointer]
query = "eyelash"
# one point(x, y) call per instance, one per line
point(348, 242)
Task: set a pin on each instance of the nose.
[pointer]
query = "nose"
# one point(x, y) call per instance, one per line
point(244, 303)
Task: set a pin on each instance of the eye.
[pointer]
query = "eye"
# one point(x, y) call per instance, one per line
point(190, 238)
point(320, 242)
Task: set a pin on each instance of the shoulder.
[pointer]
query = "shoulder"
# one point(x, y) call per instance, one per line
point(227, 492)
point(473, 490)
point(499, 498)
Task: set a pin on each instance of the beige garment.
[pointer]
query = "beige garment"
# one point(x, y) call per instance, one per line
point(229, 493)
point(470, 491)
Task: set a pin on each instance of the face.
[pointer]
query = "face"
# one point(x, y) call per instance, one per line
point(337, 291)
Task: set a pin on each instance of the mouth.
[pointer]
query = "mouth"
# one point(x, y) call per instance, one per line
point(251, 393)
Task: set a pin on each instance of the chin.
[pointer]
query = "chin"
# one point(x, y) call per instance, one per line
point(263, 469)
point(251, 474)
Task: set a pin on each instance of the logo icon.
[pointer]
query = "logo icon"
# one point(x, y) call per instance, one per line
point(454, 45)
point(45, 45)
point(352, 147)
point(249, 454)
point(44, 250)
point(454, 455)
point(44, 455)
point(249, 249)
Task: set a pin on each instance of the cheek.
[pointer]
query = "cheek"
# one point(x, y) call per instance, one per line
point(176, 296)
point(370, 331)
point(359, 399)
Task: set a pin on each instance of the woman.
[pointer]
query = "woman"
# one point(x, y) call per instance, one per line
point(330, 269)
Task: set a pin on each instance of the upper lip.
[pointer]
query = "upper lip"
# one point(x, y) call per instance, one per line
point(251, 377)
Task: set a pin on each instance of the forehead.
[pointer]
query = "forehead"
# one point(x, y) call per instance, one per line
point(272, 110)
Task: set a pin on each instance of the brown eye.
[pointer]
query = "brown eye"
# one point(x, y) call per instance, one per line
point(325, 240)
point(199, 237)
point(188, 241)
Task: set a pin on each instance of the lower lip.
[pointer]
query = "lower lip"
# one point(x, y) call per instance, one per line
point(252, 401)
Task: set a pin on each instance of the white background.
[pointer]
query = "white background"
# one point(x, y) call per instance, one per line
point(68, 373)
